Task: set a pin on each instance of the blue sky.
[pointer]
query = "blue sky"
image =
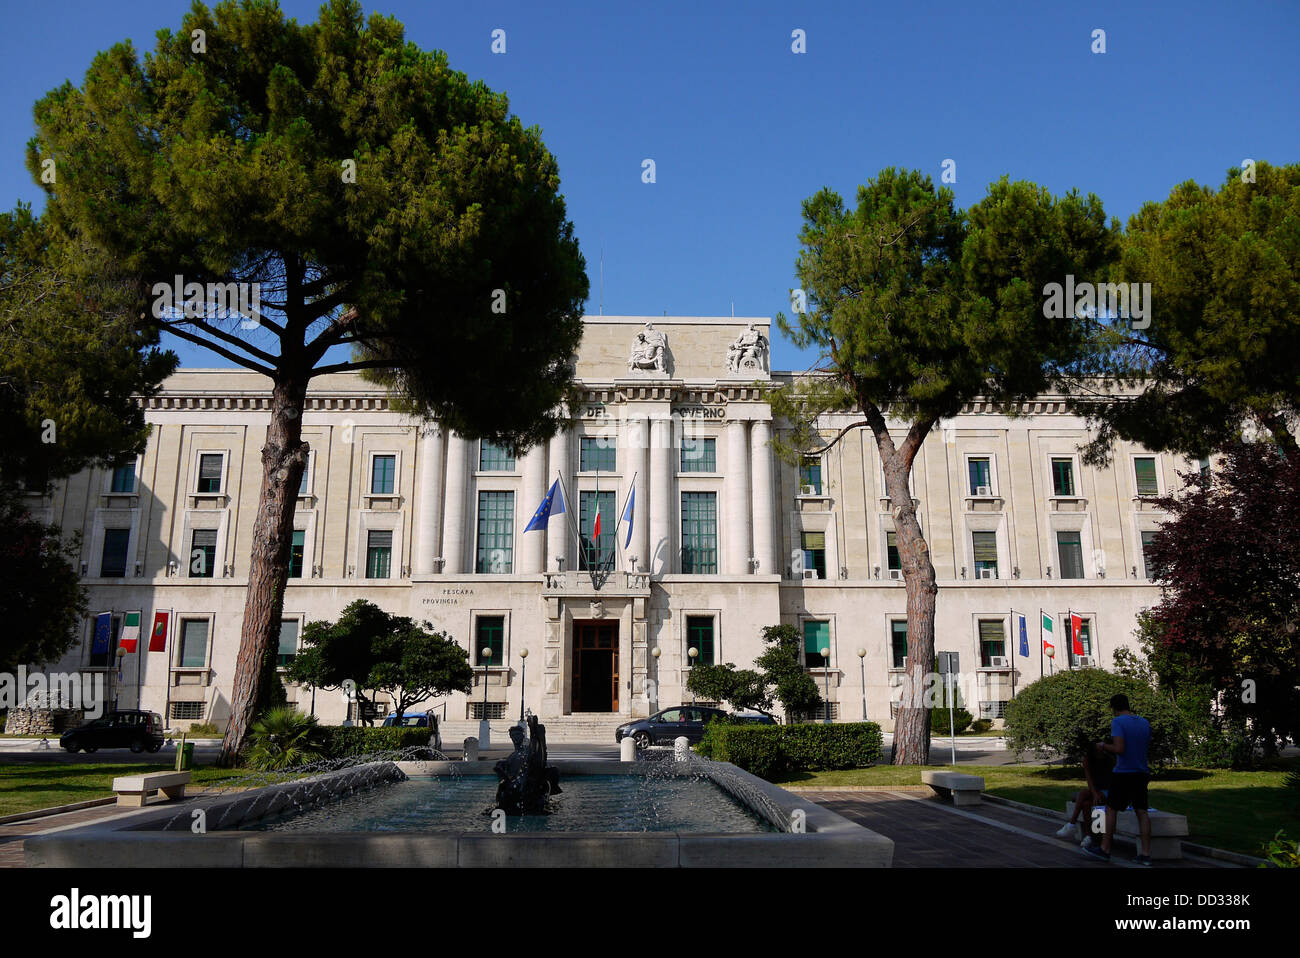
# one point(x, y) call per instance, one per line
point(742, 129)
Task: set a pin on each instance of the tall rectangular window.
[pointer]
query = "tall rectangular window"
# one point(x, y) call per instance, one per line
point(1085, 639)
point(981, 481)
point(892, 559)
point(993, 642)
point(699, 636)
point(1070, 549)
point(112, 560)
point(203, 553)
point(984, 546)
point(898, 643)
point(597, 454)
point(490, 634)
point(810, 475)
point(383, 475)
point(379, 553)
point(699, 455)
point(1144, 475)
point(210, 472)
point(1147, 539)
point(1063, 477)
point(596, 553)
point(288, 643)
point(814, 552)
point(306, 475)
point(123, 479)
point(494, 458)
point(194, 644)
point(816, 636)
point(496, 534)
point(296, 553)
point(700, 532)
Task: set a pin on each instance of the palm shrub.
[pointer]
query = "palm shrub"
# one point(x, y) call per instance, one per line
point(1052, 714)
point(282, 738)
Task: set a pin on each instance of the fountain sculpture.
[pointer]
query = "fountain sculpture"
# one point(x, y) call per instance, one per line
point(525, 780)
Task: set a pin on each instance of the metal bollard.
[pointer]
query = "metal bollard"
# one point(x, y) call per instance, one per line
point(681, 748)
point(627, 750)
point(471, 749)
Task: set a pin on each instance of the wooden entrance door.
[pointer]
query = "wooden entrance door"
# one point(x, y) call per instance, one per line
point(595, 666)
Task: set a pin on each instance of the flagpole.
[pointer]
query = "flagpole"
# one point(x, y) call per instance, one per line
point(570, 511)
point(619, 521)
point(1069, 627)
point(1040, 642)
point(1016, 640)
point(167, 669)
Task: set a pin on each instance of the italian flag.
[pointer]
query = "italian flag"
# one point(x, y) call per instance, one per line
point(595, 526)
point(1049, 646)
point(130, 631)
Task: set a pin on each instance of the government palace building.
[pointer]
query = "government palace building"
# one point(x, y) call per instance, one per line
point(723, 539)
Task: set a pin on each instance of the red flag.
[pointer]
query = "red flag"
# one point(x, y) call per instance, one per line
point(158, 637)
point(1076, 629)
point(595, 529)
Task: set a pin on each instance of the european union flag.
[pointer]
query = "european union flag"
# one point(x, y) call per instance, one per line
point(1024, 638)
point(103, 633)
point(554, 502)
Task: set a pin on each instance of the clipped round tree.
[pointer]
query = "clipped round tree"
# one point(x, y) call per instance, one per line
point(1052, 714)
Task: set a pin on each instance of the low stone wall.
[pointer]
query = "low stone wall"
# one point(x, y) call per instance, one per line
point(42, 723)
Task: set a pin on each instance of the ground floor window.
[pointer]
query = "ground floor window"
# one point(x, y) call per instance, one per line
point(816, 636)
point(490, 634)
point(486, 710)
point(993, 642)
point(187, 711)
point(699, 635)
point(993, 710)
point(194, 644)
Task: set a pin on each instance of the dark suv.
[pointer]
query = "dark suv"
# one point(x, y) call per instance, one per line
point(138, 731)
point(663, 727)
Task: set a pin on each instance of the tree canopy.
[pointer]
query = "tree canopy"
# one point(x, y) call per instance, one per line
point(1219, 351)
point(380, 652)
point(742, 688)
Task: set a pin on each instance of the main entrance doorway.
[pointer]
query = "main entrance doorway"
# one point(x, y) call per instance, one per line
point(595, 666)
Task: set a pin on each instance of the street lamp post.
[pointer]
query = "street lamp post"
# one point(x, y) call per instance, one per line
point(826, 664)
point(117, 674)
point(483, 728)
point(692, 652)
point(523, 682)
point(862, 668)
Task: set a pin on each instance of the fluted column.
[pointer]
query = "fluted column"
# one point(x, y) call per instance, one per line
point(736, 490)
point(453, 529)
point(429, 502)
point(531, 545)
point(662, 452)
point(558, 535)
point(764, 504)
point(637, 475)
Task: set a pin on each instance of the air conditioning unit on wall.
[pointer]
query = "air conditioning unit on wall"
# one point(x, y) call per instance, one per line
point(810, 574)
point(998, 662)
point(807, 490)
point(986, 574)
point(896, 574)
point(983, 491)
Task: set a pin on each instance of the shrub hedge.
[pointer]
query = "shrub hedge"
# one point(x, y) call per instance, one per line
point(770, 750)
point(341, 742)
point(1052, 713)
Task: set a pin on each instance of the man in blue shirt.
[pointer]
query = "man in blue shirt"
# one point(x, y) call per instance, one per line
point(1130, 737)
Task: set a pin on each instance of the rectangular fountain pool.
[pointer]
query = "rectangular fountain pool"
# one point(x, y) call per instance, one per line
point(593, 803)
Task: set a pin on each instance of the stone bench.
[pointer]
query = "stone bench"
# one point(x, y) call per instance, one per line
point(964, 789)
point(133, 790)
point(1167, 831)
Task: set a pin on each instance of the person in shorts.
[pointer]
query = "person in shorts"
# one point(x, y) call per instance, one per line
point(1130, 738)
point(1098, 765)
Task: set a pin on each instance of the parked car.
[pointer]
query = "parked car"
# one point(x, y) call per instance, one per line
point(754, 718)
point(666, 725)
point(139, 731)
point(417, 720)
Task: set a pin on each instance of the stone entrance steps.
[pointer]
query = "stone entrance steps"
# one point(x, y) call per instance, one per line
point(567, 728)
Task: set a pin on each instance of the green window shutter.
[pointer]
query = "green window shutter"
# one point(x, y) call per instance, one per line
point(700, 533)
point(1063, 477)
point(985, 546)
point(1071, 552)
point(490, 635)
point(898, 640)
point(816, 636)
point(1144, 469)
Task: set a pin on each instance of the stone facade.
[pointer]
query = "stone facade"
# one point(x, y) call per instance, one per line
point(725, 538)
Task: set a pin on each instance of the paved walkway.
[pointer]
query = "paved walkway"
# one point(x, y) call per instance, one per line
point(930, 833)
point(12, 834)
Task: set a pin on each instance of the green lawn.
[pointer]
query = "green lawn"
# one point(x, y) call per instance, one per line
point(28, 786)
point(1238, 811)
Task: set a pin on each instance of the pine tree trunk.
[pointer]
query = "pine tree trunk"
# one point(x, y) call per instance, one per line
point(284, 457)
point(912, 725)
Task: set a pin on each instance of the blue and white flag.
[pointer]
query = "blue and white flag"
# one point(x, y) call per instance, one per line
point(1024, 637)
point(628, 512)
point(103, 633)
point(554, 502)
